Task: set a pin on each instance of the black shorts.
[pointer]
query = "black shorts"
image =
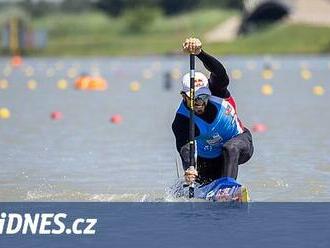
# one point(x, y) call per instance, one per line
point(211, 169)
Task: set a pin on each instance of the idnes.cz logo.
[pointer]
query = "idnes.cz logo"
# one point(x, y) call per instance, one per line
point(45, 224)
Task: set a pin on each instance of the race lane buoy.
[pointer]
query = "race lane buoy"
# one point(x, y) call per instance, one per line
point(259, 128)
point(56, 115)
point(16, 61)
point(267, 74)
point(32, 84)
point(267, 89)
point(62, 84)
point(116, 119)
point(134, 86)
point(306, 74)
point(318, 90)
point(4, 113)
point(4, 84)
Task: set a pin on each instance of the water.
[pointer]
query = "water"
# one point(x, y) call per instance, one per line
point(178, 225)
point(85, 157)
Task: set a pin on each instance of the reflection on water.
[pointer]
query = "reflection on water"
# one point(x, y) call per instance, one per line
point(84, 156)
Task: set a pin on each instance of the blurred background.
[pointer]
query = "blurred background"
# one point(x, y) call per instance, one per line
point(89, 90)
point(144, 27)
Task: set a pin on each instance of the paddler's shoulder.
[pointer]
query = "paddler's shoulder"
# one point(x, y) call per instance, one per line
point(180, 120)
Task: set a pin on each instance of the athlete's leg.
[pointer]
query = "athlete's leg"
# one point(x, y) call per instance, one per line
point(209, 169)
point(237, 150)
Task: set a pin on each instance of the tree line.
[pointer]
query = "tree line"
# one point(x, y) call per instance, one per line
point(118, 7)
point(169, 7)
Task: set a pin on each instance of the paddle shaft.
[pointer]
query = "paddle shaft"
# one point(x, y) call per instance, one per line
point(191, 119)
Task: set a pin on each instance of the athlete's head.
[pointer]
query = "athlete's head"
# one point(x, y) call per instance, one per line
point(202, 91)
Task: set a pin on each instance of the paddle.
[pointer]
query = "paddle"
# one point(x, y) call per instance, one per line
point(191, 120)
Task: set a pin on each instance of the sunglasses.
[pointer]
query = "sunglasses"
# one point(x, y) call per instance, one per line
point(201, 97)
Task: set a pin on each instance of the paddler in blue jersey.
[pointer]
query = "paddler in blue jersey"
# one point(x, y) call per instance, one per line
point(222, 142)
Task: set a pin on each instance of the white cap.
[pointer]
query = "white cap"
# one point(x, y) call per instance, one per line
point(201, 84)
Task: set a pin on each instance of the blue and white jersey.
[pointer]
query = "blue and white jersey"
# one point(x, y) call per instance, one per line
point(225, 126)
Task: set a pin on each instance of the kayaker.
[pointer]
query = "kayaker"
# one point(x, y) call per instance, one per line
point(222, 141)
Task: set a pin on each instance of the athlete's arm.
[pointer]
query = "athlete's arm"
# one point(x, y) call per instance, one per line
point(181, 132)
point(219, 79)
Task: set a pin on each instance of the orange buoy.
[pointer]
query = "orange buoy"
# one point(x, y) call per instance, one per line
point(259, 128)
point(116, 119)
point(56, 115)
point(82, 82)
point(85, 82)
point(16, 61)
point(97, 83)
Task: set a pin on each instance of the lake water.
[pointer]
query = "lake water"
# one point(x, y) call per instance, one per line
point(84, 156)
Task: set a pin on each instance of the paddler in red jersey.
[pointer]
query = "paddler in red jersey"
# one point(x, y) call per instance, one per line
point(222, 142)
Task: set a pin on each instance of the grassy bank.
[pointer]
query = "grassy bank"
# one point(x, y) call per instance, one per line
point(97, 34)
point(279, 39)
point(100, 35)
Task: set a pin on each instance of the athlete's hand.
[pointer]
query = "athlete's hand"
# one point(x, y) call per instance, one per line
point(192, 46)
point(190, 175)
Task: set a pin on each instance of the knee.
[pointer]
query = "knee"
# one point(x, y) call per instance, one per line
point(230, 148)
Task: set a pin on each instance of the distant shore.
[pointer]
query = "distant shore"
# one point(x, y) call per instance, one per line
point(94, 34)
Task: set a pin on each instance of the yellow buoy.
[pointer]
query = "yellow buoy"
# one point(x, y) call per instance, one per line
point(236, 74)
point(147, 74)
point(62, 84)
point(4, 84)
point(267, 74)
point(267, 89)
point(318, 90)
point(306, 74)
point(4, 113)
point(135, 86)
point(32, 84)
